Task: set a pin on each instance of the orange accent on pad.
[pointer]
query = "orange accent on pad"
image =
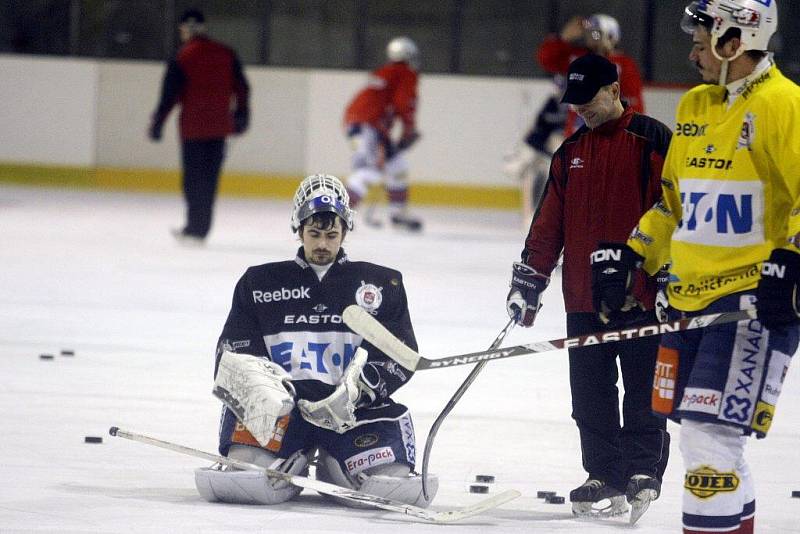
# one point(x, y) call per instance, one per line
point(243, 436)
point(664, 381)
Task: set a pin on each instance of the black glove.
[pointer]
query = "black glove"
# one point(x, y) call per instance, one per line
point(407, 140)
point(241, 120)
point(154, 132)
point(777, 292)
point(525, 298)
point(613, 265)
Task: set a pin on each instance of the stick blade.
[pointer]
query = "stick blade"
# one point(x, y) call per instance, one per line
point(479, 507)
point(365, 325)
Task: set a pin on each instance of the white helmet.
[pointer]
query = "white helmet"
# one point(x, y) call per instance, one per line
point(403, 49)
point(603, 27)
point(757, 20)
point(318, 193)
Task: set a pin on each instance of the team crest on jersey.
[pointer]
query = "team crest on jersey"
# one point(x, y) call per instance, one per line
point(748, 133)
point(369, 297)
point(576, 163)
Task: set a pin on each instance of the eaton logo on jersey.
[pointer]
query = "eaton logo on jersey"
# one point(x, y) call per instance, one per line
point(308, 355)
point(721, 213)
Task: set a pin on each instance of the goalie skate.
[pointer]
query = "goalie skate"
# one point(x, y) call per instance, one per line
point(595, 499)
point(641, 491)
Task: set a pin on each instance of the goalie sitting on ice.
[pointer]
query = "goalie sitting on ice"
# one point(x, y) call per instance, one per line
point(298, 385)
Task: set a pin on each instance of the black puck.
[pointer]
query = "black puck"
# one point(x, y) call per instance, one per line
point(67, 352)
point(484, 478)
point(796, 494)
point(476, 488)
point(93, 439)
point(45, 356)
point(545, 494)
point(554, 499)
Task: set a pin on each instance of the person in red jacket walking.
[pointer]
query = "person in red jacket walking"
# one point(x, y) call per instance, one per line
point(207, 80)
point(598, 34)
point(602, 179)
point(390, 95)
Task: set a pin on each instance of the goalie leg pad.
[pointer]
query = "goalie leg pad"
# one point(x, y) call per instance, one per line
point(222, 484)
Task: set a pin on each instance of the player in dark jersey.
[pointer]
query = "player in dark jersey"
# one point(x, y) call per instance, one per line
point(297, 382)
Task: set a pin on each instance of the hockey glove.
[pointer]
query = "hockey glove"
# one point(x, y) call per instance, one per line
point(662, 302)
point(407, 140)
point(241, 120)
point(525, 298)
point(777, 292)
point(613, 266)
point(337, 411)
point(154, 132)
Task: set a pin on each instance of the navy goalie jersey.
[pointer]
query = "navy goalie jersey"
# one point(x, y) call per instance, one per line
point(282, 311)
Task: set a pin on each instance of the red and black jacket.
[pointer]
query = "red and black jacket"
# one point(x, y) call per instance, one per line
point(206, 77)
point(601, 182)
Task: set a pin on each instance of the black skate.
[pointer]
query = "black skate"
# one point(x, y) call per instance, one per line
point(595, 499)
point(405, 222)
point(641, 491)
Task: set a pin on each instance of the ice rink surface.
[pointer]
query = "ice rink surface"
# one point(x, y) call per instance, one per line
point(98, 273)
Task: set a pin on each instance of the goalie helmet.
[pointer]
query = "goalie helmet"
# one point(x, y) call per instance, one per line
point(605, 28)
point(757, 20)
point(319, 193)
point(403, 49)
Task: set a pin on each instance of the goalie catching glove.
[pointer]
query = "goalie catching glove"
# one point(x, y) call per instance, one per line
point(525, 298)
point(613, 267)
point(337, 411)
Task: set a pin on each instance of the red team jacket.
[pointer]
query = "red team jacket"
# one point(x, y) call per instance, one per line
point(204, 77)
point(391, 92)
point(555, 55)
point(601, 182)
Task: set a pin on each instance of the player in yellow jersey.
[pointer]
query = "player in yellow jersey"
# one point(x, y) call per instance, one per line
point(729, 220)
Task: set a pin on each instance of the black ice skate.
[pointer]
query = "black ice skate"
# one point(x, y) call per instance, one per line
point(187, 239)
point(641, 491)
point(405, 222)
point(595, 499)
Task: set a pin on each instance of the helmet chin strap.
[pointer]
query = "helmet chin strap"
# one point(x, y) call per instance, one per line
point(723, 71)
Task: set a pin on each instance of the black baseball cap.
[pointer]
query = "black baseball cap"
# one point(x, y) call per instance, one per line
point(586, 75)
point(194, 16)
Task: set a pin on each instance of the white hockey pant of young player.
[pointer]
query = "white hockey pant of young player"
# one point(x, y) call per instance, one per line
point(713, 456)
point(367, 169)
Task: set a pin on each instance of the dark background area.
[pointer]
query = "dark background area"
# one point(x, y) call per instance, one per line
point(475, 37)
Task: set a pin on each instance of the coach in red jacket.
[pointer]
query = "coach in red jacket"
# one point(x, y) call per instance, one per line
point(206, 78)
point(602, 179)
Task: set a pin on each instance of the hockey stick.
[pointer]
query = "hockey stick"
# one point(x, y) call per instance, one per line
point(452, 404)
point(367, 326)
point(446, 516)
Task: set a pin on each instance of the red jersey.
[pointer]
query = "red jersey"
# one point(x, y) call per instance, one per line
point(207, 79)
point(601, 182)
point(555, 55)
point(391, 92)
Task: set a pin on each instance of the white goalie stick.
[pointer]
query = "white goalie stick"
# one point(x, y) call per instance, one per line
point(445, 516)
point(370, 329)
point(452, 404)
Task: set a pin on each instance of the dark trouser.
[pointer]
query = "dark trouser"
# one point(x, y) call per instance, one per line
point(202, 161)
point(610, 452)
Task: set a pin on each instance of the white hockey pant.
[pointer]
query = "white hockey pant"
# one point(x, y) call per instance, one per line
point(392, 481)
point(718, 481)
point(219, 484)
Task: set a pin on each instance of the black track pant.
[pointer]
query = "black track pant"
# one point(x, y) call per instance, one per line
point(202, 161)
point(611, 452)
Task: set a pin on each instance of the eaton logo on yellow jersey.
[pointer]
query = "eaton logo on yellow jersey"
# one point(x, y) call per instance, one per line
point(721, 213)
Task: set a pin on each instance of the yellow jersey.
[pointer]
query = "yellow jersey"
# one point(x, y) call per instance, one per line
point(731, 190)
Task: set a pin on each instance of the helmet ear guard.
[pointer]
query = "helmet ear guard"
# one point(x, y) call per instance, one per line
point(321, 193)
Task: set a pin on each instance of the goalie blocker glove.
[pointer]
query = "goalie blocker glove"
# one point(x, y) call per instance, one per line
point(613, 266)
point(525, 298)
point(777, 291)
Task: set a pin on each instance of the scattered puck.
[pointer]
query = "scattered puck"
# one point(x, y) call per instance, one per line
point(484, 478)
point(796, 494)
point(93, 439)
point(45, 356)
point(554, 499)
point(545, 494)
point(67, 352)
point(476, 488)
